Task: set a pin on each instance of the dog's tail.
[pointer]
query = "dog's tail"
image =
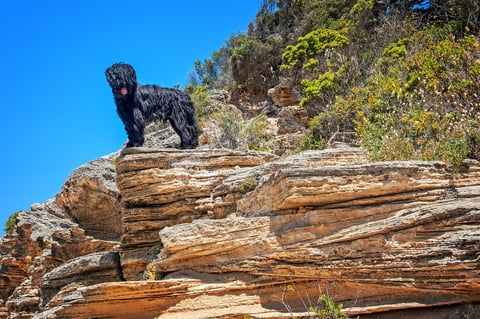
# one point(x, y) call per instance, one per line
point(184, 121)
point(186, 126)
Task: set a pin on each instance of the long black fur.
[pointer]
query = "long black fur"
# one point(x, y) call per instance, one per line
point(139, 104)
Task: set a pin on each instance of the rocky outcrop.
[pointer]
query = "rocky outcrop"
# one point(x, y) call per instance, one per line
point(284, 94)
point(164, 187)
point(399, 232)
point(45, 237)
point(292, 119)
point(382, 236)
point(227, 234)
point(82, 271)
point(90, 198)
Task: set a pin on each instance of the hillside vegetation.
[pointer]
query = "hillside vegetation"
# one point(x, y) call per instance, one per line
point(403, 75)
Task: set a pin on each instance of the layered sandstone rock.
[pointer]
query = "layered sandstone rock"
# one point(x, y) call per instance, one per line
point(82, 271)
point(165, 187)
point(45, 238)
point(382, 236)
point(227, 234)
point(284, 94)
point(292, 119)
point(90, 198)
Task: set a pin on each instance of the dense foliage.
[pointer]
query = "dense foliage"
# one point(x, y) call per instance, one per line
point(403, 75)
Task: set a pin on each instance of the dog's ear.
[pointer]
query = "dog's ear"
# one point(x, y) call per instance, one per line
point(110, 75)
point(107, 75)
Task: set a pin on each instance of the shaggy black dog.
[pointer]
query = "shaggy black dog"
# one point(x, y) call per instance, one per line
point(139, 104)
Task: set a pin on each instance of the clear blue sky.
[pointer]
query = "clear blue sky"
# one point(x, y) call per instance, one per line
point(57, 109)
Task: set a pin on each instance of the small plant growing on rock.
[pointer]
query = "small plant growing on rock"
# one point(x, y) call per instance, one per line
point(329, 310)
point(152, 273)
point(324, 308)
point(249, 183)
point(156, 249)
point(230, 124)
point(11, 221)
point(254, 135)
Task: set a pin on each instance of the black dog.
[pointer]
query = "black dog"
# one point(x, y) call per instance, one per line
point(139, 104)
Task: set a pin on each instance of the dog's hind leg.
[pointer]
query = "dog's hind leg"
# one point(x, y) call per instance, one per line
point(185, 125)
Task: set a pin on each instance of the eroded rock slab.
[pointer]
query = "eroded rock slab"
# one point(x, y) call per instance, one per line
point(364, 230)
point(90, 198)
point(406, 232)
point(179, 298)
point(165, 187)
point(85, 270)
point(41, 240)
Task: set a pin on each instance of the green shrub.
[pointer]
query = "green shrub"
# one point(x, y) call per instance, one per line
point(335, 118)
point(397, 50)
point(255, 136)
point(11, 221)
point(245, 45)
point(423, 103)
point(237, 133)
point(309, 142)
point(155, 249)
point(310, 46)
point(249, 183)
point(312, 88)
point(200, 99)
point(230, 124)
point(328, 310)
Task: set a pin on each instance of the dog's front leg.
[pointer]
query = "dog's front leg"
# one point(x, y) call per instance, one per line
point(136, 135)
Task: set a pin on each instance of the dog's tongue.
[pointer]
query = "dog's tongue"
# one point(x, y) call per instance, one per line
point(124, 91)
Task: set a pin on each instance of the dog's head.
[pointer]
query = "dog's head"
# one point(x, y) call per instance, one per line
point(122, 78)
